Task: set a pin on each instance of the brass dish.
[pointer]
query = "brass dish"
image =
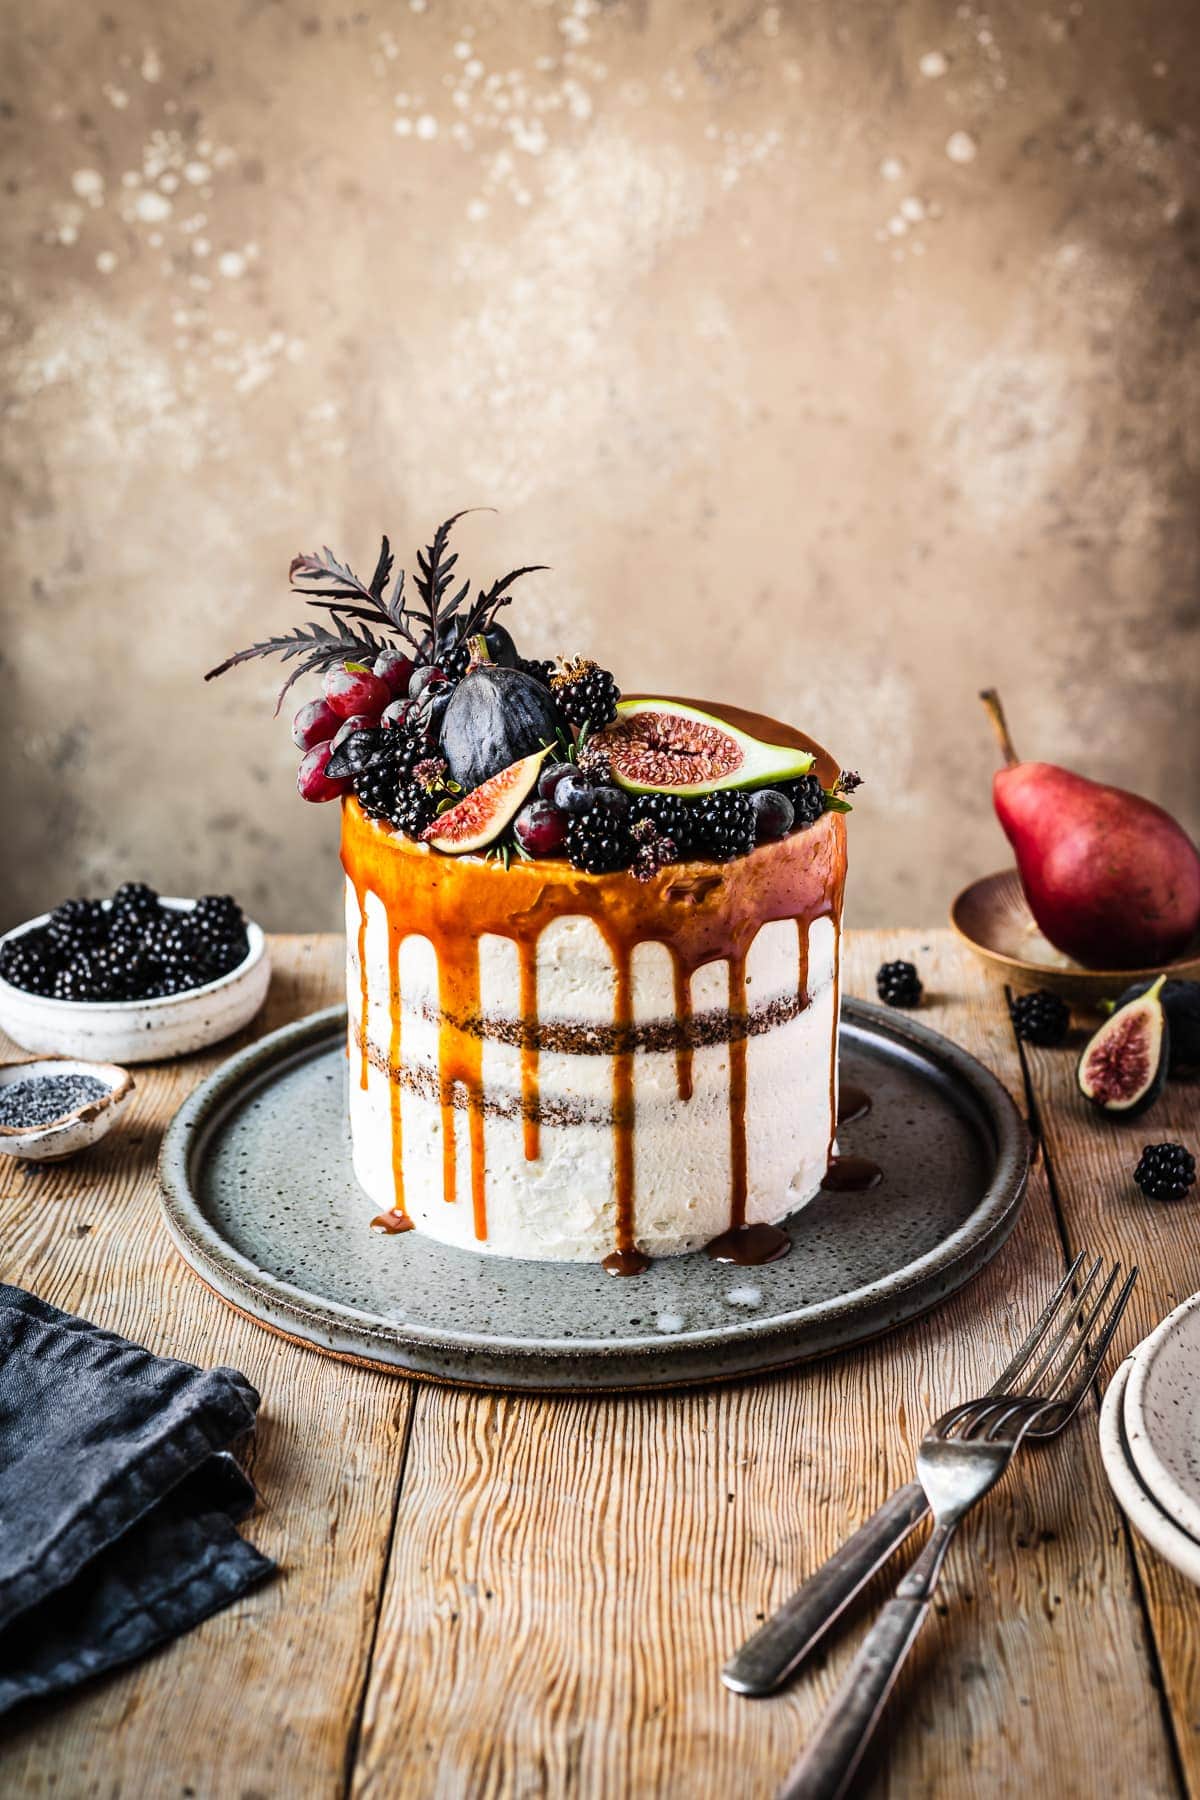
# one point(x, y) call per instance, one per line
point(992, 917)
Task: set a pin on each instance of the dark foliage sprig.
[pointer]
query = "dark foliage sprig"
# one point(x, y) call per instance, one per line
point(360, 611)
point(319, 647)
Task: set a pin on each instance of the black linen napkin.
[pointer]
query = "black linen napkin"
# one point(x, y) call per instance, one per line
point(118, 1499)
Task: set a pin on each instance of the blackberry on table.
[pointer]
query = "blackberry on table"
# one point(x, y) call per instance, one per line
point(1165, 1171)
point(723, 825)
point(599, 842)
point(77, 925)
point(584, 694)
point(807, 797)
point(1040, 1018)
point(898, 984)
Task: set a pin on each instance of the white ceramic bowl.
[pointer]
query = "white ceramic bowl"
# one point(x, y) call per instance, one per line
point(74, 1130)
point(1160, 1414)
point(133, 1031)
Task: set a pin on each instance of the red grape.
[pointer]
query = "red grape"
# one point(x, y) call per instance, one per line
point(351, 688)
point(550, 777)
point(312, 781)
point(313, 724)
point(395, 668)
point(540, 828)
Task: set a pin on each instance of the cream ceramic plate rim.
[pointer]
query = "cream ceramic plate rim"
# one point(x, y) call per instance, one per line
point(1181, 1504)
point(1140, 1508)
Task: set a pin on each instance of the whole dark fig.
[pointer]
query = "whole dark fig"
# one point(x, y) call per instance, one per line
point(1181, 1003)
point(496, 717)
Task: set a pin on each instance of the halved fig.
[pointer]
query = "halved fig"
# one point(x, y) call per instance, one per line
point(477, 820)
point(1181, 1003)
point(1124, 1066)
point(662, 747)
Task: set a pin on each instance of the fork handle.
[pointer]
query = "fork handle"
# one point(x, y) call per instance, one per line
point(778, 1648)
point(828, 1762)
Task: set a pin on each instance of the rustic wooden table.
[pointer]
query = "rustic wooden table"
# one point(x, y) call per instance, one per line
point(484, 1595)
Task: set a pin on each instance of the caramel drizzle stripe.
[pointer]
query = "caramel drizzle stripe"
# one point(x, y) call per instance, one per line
point(737, 1097)
point(395, 1092)
point(833, 1053)
point(683, 1015)
point(361, 896)
point(623, 1104)
point(460, 1061)
point(530, 1090)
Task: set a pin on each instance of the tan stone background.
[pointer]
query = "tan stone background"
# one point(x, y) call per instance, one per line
point(839, 357)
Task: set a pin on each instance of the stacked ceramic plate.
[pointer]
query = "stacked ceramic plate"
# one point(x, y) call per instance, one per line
point(1150, 1438)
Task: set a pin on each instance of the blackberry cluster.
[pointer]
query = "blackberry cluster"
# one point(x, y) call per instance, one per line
point(133, 948)
point(1040, 1018)
point(723, 824)
point(807, 797)
point(898, 984)
point(585, 695)
point(599, 842)
point(386, 776)
point(1165, 1171)
point(675, 819)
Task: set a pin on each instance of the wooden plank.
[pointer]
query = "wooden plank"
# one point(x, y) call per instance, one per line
point(263, 1698)
point(567, 1577)
point(1092, 1158)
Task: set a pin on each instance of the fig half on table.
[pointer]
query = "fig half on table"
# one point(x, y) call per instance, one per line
point(1124, 1065)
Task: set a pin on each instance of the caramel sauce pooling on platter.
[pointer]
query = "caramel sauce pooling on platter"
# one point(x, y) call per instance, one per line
point(702, 912)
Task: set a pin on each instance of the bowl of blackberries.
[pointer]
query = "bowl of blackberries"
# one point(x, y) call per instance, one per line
point(132, 979)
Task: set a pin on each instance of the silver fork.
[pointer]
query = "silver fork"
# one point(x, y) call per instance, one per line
point(777, 1649)
point(961, 1459)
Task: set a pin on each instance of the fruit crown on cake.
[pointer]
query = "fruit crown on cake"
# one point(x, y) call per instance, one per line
point(442, 730)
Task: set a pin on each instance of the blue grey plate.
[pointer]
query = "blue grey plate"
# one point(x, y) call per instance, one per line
point(260, 1199)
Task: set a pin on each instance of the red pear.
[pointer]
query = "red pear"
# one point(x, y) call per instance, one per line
point(1111, 879)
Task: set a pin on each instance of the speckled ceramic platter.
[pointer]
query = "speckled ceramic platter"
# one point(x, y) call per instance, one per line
point(1162, 1426)
point(260, 1199)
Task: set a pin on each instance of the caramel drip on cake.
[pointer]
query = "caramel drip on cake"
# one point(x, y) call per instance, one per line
point(395, 1092)
point(683, 1015)
point(460, 1063)
point(738, 1045)
point(703, 912)
point(531, 1114)
point(830, 1155)
point(361, 896)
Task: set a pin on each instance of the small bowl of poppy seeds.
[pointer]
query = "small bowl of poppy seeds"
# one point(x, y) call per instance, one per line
point(53, 1108)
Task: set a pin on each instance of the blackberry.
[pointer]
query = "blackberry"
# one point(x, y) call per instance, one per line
point(77, 925)
point(128, 966)
point(375, 788)
point(541, 671)
point(29, 962)
point(168, 943)
point(134, 902)
point(584, 694)
point(674, 817)
point(1040, 1018)
point(219, 912)
point(1165, 1171)
point(724, 825)
point(898, 984)
point(412, 809)
point(82, 977)
point(807, 797)
point(599, 842)
point(218, 929)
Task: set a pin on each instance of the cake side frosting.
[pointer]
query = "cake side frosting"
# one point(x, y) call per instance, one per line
point(549, 1063)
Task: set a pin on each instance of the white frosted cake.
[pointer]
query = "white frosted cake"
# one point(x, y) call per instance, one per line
point(552, 1064)
point(592, 941)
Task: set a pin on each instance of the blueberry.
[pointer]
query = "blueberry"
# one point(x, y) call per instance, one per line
point(774, 815)
point(574, 793)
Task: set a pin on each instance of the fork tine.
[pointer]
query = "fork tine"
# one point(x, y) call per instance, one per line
point(1079, 1347)
point(1020, 1361)
point(1052, 1414)
point(1064, 1331)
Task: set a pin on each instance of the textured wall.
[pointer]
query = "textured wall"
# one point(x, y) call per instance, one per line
point(839, 357)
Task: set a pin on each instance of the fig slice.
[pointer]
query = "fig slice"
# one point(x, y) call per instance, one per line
point(477, 820)
point(1124, 1066)
point(1181, 1003)
point(662, 747)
